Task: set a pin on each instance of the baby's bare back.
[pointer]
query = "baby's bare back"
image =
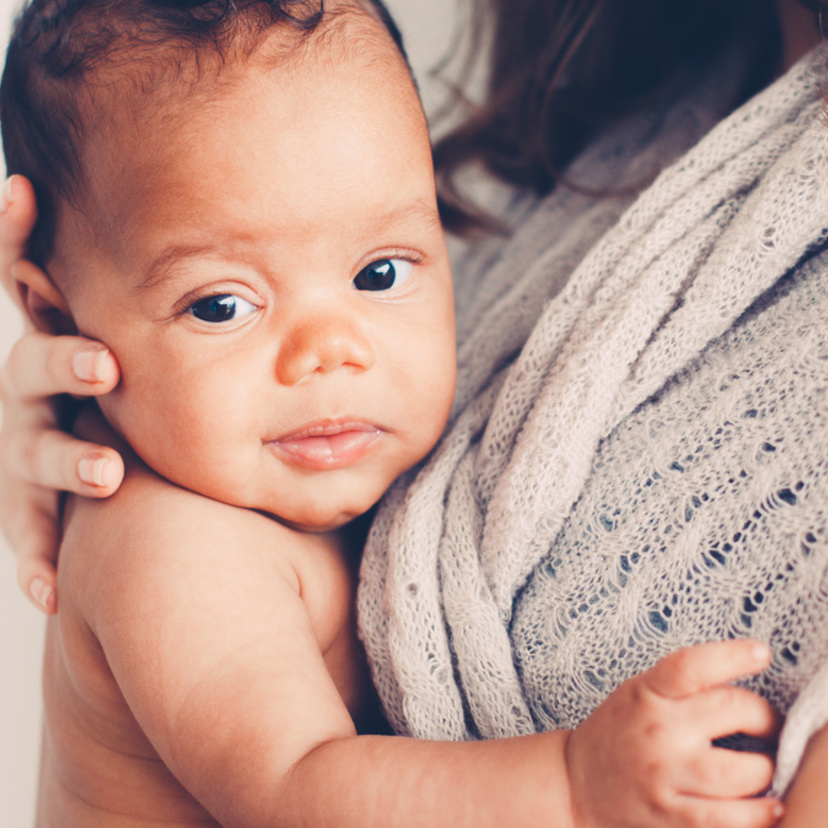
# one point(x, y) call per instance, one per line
point(97, 766)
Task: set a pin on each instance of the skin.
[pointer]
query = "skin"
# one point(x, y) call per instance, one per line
point(799, 35)
point(101, 611)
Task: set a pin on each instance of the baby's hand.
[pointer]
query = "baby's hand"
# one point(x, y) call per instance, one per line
point(645, 757)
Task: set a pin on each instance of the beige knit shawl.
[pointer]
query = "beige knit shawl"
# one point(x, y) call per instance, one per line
point(582, 319)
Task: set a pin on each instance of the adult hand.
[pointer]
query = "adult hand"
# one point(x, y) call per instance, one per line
point(37, 459)
point(646, 755)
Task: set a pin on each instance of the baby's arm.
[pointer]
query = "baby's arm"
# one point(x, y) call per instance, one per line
point(206, 633)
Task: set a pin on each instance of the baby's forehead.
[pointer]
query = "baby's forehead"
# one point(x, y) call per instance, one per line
point(151, 87)
point(180, 128)
point(140, 94)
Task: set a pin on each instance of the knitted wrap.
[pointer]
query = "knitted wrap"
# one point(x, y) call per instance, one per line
point(636, 460)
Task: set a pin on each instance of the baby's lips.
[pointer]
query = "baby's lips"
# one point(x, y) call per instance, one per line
point(328, 447)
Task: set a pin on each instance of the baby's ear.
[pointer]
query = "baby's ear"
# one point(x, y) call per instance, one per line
point(42, 300)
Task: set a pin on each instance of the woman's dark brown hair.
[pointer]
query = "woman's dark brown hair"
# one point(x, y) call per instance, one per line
point(563, 70)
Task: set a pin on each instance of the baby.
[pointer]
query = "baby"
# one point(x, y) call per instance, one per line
point(238, 199)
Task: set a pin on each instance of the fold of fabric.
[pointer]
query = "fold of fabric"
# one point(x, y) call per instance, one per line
point(587, 312)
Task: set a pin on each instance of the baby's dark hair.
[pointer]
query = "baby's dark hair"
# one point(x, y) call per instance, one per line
point(59, 48)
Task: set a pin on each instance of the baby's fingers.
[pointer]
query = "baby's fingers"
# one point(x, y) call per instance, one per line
point(723, 711)
point(720, 773)
point(698, 668)
point(740, 813)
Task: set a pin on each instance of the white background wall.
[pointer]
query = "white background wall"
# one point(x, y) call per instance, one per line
point(21, 632)
point(427, 26)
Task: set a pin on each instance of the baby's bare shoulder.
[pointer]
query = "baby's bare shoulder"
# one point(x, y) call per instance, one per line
point(152, 532)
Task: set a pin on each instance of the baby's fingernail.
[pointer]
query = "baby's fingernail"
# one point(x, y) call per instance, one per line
point(7, 194)
point(761, 652)
point(778, 810)
point(91, 470)
point(88, 363)
point(42, 593)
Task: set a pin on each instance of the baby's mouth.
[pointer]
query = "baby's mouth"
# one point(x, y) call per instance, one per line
point(329, 445)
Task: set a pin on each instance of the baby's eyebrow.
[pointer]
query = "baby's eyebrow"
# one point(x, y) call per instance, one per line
point(159, 271)
point(421, 210)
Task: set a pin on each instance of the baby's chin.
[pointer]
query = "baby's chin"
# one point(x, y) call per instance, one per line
point(328, 512)
point(318, 524)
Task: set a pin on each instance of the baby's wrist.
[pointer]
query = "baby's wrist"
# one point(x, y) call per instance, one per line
point(571, 814)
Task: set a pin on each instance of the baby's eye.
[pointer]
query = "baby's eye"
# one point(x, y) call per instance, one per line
point(222, 308)
point(383, 274)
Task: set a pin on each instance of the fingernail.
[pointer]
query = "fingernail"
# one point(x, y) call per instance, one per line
point(91, 470)
point(6, 195)
point(88, 363)
point(778, 810)
point(761, 652)
point(42, 593)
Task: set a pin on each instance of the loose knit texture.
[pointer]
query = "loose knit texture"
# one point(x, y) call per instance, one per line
point(636, 461)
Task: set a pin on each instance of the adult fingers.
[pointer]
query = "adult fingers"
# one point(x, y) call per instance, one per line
point(41, 365)
point(29, 513)
point(52, 459)
point(704, 666)
point(18, 213)
point(37, 543)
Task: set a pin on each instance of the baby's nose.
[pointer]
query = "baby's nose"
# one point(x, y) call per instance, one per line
point(322, 345)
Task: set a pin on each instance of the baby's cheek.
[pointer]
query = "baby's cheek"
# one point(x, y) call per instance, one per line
point(116, 409)
point(158, 423)
point(207, 441)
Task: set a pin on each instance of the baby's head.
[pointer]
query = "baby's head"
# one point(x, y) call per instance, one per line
point(79, 70)
point(243, 208)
